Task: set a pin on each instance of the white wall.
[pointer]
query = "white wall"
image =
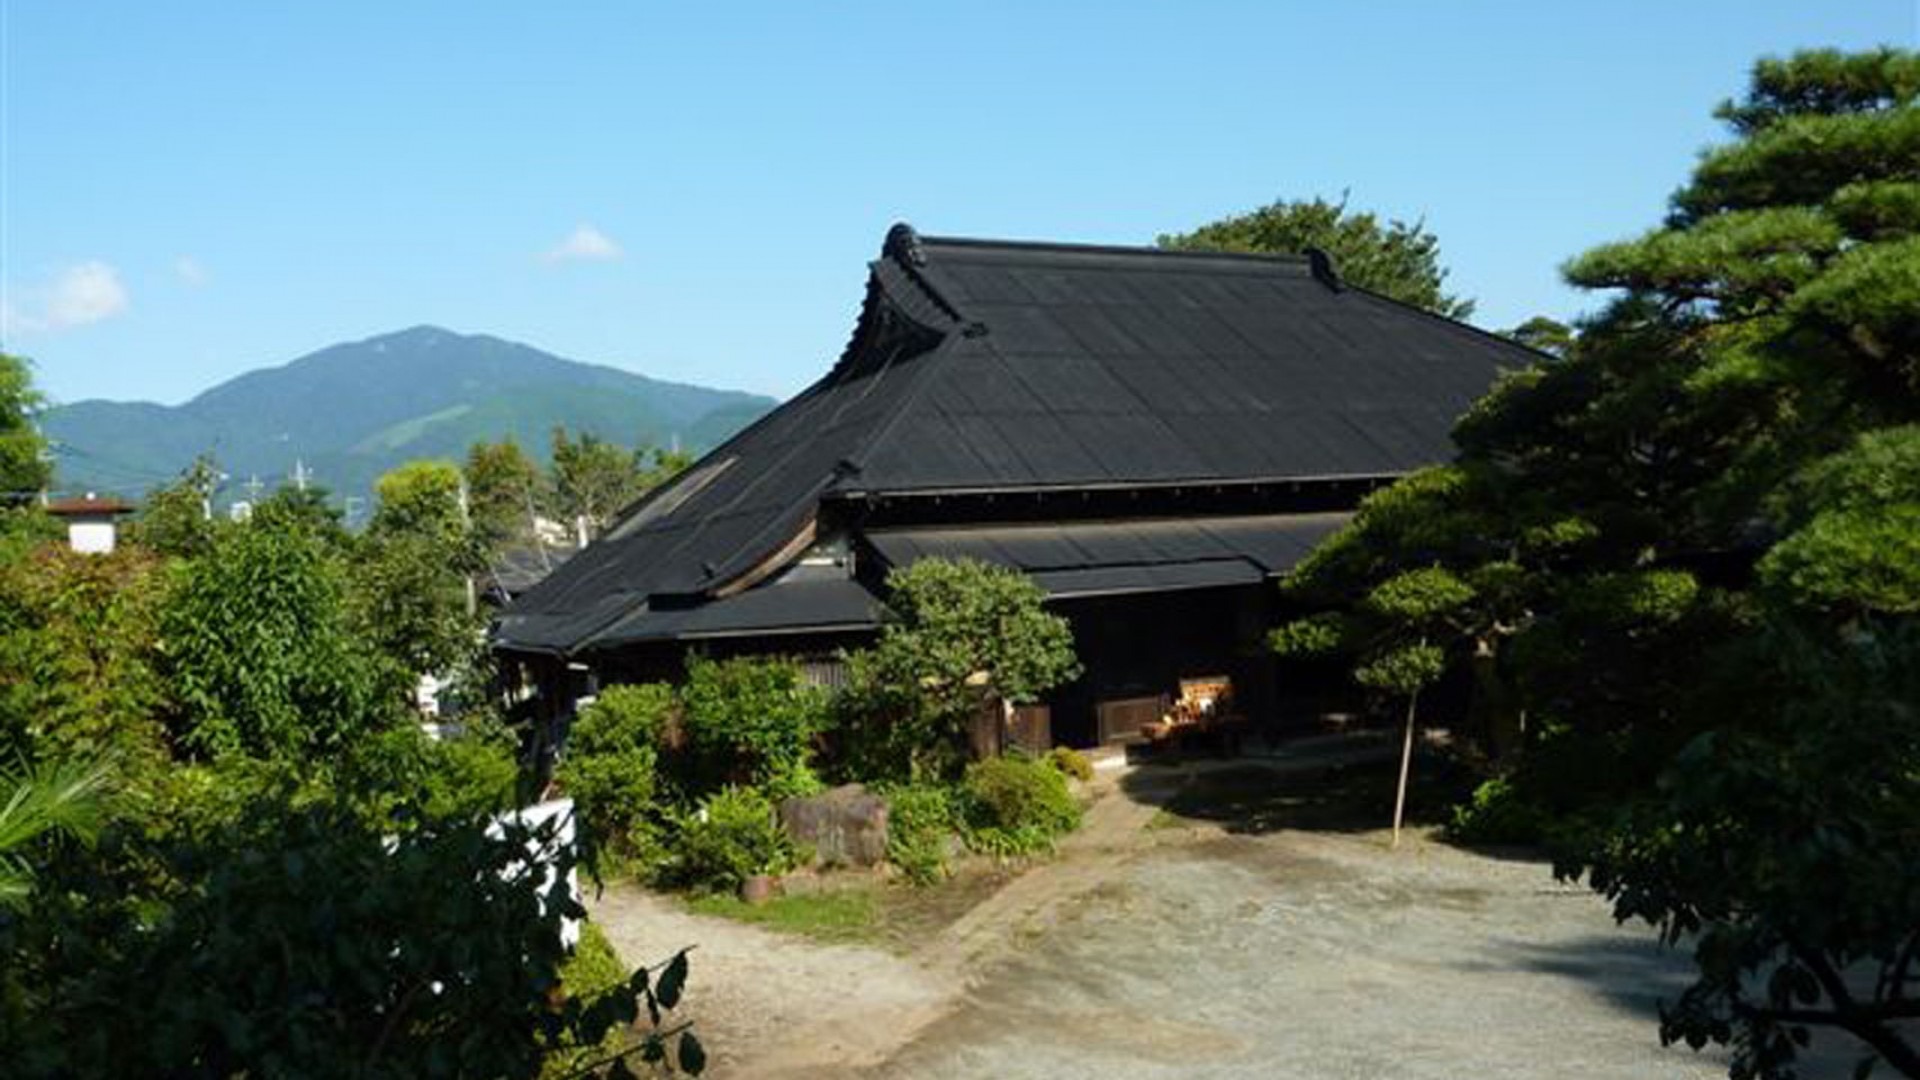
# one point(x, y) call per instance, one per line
point(92, 536)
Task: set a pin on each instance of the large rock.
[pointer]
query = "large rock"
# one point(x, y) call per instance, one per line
point(846, 826)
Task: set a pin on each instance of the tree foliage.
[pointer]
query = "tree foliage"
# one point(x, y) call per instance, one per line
point(24, 468)
point(259, 653)
point(505, 487)
point(79, 653)
point(593, 479)
point(1393, 258)
point(177, 520)
point(960, 629)
point(1689, 549)
point(305, 942)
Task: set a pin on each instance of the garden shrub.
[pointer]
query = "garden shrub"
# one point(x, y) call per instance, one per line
point(1497, 813)
point(404, 774)
point(1012, 792)
point(734, 836)
point(594, 971)
point(1071, 763)
point(752, 721)
point(921, 818)
point(1016, 805)
point(611, 762)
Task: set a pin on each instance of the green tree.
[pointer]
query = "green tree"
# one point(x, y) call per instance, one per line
point(259, 656)
point(752, 721)
point(79, 652)
point(1705, 513)
point(307, 508)
point(306, 941)
point(24, 467)
point(505, 486)
point(961, 629)
point(593, 480)
point(1395, 258)
point(1550, 336)
point(178, 519)
point(411, 582)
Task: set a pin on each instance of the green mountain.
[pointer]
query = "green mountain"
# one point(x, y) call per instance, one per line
point(350, 412)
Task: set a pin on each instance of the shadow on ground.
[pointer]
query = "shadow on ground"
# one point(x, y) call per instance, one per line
point(1256, 797)
point(1632, 975)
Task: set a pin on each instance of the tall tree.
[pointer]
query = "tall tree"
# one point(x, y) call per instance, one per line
point(960, 629)
point(177, 520)
point(505, 488)
point(411, 585)
point(593, 480)
point(1703, 518)
point(259, 656)
point(1393, 258)
point(24, 468)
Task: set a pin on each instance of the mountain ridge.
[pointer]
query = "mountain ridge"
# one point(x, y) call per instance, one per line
point(350, 411)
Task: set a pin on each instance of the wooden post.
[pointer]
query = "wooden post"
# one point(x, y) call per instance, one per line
point(1406, 760)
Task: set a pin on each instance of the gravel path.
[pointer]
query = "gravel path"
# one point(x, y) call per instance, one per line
point(1195, 952)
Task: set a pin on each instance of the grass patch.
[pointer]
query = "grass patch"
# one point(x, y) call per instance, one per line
point(835, 915)
point(862, 909)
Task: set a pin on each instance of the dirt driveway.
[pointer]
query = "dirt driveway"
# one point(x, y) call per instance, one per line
point(1163, 945)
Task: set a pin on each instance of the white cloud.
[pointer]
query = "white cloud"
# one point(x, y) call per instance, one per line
point(189, 271)
point(584, 244)
point(84, 293)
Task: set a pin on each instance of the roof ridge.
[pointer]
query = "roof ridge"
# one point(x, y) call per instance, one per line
point(1458, 325)
point(1298, 259)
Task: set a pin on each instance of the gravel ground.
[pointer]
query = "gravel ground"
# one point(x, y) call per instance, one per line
point(1316, 955)
point(1230, 942)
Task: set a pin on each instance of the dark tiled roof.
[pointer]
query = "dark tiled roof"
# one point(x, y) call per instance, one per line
point(771, 608)
point(1262, 544)
point(984, 366)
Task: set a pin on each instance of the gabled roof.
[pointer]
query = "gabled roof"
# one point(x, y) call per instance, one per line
point(990, 366)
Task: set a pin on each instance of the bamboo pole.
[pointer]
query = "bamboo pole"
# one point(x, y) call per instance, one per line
point(1406, 760)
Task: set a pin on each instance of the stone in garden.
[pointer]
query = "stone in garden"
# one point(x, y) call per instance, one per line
point(846, 826)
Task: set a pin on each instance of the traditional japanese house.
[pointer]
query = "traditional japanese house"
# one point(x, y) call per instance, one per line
point(1152, 435)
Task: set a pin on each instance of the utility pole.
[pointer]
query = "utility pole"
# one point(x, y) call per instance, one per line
point(466, 523)
point(300, 475)
point(253, 486)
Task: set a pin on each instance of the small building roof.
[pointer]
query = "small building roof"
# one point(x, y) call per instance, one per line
point(88, 505)
point(989, 366)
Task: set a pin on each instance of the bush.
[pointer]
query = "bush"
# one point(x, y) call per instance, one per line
point(594, 971)
point(734, 836)
point(750, 720)
point(1497, 814)
point(1071, 763)
point(1014, 793)
point(920, 820)
point(611, 762)
point(404, 774)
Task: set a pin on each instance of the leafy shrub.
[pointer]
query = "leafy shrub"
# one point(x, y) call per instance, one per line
point(920, 820)
point(594, 971)
point(733, 837)
point(904, 713)
point(1017, 805)
point(1009, 843)
point(404, 774)
point(259, 655)
point(305, 941)
point(611, 763)
point(750, 720)
point(1071, 763)
point(1497, 813)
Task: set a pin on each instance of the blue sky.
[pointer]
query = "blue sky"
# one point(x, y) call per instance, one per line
point(191, 190)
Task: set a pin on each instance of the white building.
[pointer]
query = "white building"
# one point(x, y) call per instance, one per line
point(92, 522)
